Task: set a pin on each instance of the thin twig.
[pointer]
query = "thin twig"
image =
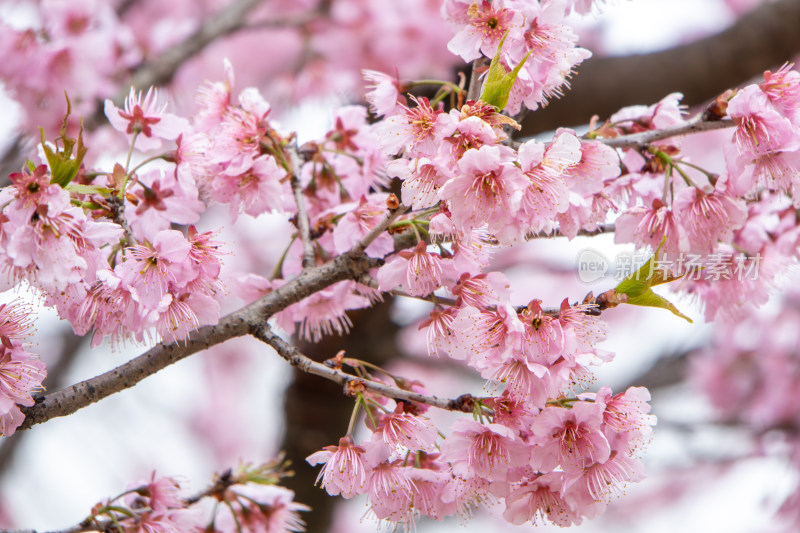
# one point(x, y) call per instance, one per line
point(297, 20)
point(303, 223)
point(371, 282)
point(474, 90)
point(373, 234)
point(463, 403)
point(640, 140)
point(117, 206)
point(601, 228)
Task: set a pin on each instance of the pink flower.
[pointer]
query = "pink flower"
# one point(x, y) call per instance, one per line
point(236, 142)
point(777, 171)
point(391, 492)
point(458, 133)
point(572, 438)
point(108, 309)
point(162, 200)
point(584, 213)
point(150, 269)
point(598, 163)
point(708, 217)
point(482, 290)
point(33, 188)
point(16, 322)
point(10, 421)
point(514, 413)
point(414, 129)
point(421, 181)
point(582, 331)
point(384, 92)
point(324, 312)
point(50, 242)
point(547, 193)
point(345, 470)
point(258, 189)
point(163, 493)
point(553, 55)
point(627, 412)
point(540, 498)
point(667, 112)
point(760, 127)
point(355, 224)
point(205, 255)
point(485, 337)
point(648, 226)
point(489, 451)
point(260, 508)
point(732, 283)
point(166, 522)
point(486, 189)
point(21, 374)
point(783, 89)
point(604, 481)
point(213, 99)
point(485, 24)
point(440, 335)
point(403, 429)
point(430, 483)
point(524, 381)
point(542, 338)
point(179, 314)
point(419, 272)
point(144, 117)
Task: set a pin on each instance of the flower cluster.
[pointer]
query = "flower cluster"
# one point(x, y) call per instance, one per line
point(559, 463)
point(250, 504)
point(546, 455)
point(537, 28)
point(21, 373)
point(482, 184)
point(738, 219)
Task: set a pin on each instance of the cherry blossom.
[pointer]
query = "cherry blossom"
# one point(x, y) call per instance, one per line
point(345, 470)
point(143, 118)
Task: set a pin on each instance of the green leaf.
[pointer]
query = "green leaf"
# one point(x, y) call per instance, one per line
point(63, 167)
point(637, 286)
point(500, 81)
point(651, 299)
point(87, 189)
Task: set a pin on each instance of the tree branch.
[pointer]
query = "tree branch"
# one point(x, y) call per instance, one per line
point(474, 89)
point(696, 124)
point(303, 223)
point(294, 357)
point(373, 234)
point(247, 320)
